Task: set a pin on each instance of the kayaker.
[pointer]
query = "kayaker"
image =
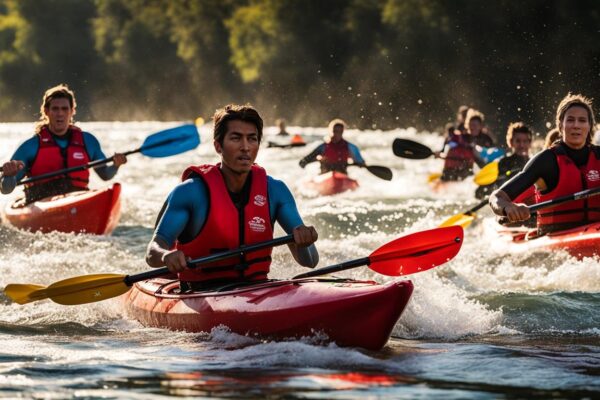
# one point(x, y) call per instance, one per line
point(570, 165)
point(202, 215)
point(518, 139)
point(552, 136)
point(462, 155)
point(57, 144)
point(281, 125)
point(335, 152)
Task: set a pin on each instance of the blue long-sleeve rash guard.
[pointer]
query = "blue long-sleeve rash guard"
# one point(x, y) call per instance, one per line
point(27, 151)
point(186, 209)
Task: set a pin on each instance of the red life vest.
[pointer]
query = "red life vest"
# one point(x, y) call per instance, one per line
point(460, 156)
point(222, 230)
point(571, 179)
point(50, 157)
point(527, 197)
point(336, 154)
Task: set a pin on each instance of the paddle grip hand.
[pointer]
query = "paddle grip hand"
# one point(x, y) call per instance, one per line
point(304, 236)
point(175, 261)
point(516, 212)
point(119, 159)
point(12, 167)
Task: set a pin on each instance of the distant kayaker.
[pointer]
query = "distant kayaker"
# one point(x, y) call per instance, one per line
point(57, 144)
point(223, 206)
point(462, 154)
point(518, 139)
point(552, 136)
point(335, 152)
point(281, 125)
point(570, 165)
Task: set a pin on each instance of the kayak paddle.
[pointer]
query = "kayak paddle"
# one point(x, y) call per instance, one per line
point(490, 174)
point(160, 144)
point(584, 194)
point(465, 218)
point(378, 170)
point(406, 255)
point(410, 149)
point(285, 146)
point(487, 175)
point(97, 287)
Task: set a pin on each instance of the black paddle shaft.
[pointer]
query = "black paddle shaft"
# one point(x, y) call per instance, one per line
point(94, 163)
point(131, 279)
point(575, 196)
point(335, 268)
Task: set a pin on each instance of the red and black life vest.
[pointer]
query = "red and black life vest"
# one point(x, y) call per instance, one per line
point(335, 157)
point(51, 157)
point(228, 228)
point(460, 157)
point(571, 179)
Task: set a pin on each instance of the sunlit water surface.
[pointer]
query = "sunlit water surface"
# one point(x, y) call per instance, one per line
point(485, 325)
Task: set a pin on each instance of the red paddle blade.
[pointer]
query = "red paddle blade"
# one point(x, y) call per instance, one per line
point(417, 252)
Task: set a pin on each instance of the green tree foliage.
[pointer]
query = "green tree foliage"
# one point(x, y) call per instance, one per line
point(376, 63)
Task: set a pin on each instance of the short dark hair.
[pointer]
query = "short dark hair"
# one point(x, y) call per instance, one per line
point(235, 112)
point(517, 127)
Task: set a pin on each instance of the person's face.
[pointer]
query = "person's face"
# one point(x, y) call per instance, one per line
point(338, 132)
point(520, 144)
point(59, 113)
point(474, 127)
point(575, 127)
point(240, 146)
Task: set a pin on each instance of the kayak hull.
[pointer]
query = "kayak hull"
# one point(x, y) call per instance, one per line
point(91, 211)
point(331, 183)
point(351, 313)
point(580, 242)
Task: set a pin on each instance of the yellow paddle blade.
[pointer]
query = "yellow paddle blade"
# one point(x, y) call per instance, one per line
point(434, 177)
point(87, 289)
point(488, 174)
point(71, 291)
point(463, 220)
point(25, 293)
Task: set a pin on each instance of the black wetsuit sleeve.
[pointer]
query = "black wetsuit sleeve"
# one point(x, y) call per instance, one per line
point(543, 165)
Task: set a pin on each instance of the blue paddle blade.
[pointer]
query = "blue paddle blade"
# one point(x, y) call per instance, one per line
point(171, 141)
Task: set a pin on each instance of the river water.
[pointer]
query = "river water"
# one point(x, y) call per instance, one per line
point(488, 324)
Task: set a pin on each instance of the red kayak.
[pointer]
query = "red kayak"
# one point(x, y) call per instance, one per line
point(90, 211)
point(351, 313)
point(580, 242)
point(332, 182)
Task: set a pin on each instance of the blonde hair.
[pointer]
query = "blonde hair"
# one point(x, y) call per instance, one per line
point(471, 114)
point(61, 91)
point(334, 122)
point(575, 100)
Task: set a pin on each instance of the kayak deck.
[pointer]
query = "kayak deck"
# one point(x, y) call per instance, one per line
point(90, 211)
point(351, 313)
point(583, 241)
point(331, 183)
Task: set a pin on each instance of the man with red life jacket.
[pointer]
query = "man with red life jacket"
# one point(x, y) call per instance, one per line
point(568, 166)
point(518, 139)
point(223, 206)
point(57, 144)
point(335, 153)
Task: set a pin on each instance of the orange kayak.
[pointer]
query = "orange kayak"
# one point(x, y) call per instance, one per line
point(583, 241)
point(90, 211)
point(332, 182)
point(351, 313)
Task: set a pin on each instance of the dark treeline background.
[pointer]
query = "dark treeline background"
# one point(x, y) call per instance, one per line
point(377, 63)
